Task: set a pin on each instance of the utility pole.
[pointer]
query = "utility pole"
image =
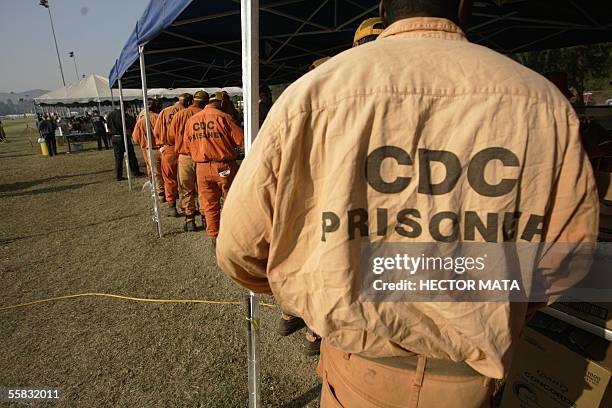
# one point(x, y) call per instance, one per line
point(71, 55)
point(45, 4)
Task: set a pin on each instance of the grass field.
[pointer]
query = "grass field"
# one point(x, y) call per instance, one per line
point(67, 227)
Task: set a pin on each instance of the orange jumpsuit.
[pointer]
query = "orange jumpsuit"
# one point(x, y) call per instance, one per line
point(169, 158)
point(139, 135)
point(212, 138)
point(186, 166)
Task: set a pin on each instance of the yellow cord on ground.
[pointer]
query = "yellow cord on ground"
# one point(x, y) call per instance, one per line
point(130, 298)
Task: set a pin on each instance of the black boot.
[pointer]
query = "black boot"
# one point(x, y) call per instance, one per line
point(289, 324)
point(171, 210)
point(312, 344)
point(190, 225)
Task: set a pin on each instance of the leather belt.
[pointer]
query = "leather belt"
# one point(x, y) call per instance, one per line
point(434, 366)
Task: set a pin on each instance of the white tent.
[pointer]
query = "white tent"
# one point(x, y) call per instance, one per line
point(176, 92)
point(94, 89)
point(91, 89)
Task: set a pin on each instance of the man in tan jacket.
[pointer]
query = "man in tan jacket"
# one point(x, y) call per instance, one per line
point(417, 137)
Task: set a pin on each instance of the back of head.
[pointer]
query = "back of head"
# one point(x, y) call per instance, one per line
point(185, 99)
point(217, 100)
point(201, 98)
point(154, 105)
point(394, 10)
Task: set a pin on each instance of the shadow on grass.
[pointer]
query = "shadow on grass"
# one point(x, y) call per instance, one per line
point(50, 190)
point(304, 399)
point(21, 185)
point(76, 227)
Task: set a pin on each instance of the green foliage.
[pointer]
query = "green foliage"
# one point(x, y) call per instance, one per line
point(588, 67)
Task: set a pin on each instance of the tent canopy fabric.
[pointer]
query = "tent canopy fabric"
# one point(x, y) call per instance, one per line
point(191, 43)
point(94, 89)
point(91, 89)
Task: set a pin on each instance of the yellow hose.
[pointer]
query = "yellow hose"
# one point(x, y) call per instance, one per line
point(130, 298)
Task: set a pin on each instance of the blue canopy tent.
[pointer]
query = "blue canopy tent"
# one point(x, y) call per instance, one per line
point(198, 43)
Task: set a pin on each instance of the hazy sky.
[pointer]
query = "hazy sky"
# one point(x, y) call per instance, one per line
point(95, 30)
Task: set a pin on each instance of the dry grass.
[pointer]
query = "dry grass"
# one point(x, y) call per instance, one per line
point(67, 227)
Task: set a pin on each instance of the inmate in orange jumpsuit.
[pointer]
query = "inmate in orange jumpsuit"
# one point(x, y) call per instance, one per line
point(169, 158)
point(212, 138)
point(139, 135)
point(186, 166)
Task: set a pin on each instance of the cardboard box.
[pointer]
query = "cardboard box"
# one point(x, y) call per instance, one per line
point(546, 374)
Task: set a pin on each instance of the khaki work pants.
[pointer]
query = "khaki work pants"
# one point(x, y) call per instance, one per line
point(187, 184)
point(211, 186)
point(158, 171)
point(169, 167)
point(351, 381)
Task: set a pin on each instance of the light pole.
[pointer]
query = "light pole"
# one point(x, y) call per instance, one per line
point(45, 4)
point(71, 55)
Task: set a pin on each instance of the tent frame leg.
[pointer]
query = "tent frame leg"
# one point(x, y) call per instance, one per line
point(249, 12)
point(143, 78)
point(125, 140)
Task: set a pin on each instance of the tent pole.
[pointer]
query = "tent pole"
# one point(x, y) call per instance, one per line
point(112, 99)
point(143, 79)
point(125, 141)
point(249, 12)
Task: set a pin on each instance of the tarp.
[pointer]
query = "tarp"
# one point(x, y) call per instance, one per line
point(197, 42)
point(91, 89)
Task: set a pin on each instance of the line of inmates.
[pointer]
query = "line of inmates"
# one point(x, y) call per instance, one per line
point(197, 141)
point(196, 144)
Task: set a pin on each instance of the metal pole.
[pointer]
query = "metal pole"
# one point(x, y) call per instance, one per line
point(56, 47)
point(253, 325)
point(125, 142)
point(143, 78)
point(112, 99)
point(249, 12)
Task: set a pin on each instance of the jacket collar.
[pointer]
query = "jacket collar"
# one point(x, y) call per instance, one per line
point(430, 27)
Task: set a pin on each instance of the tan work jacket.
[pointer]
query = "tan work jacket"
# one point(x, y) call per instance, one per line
point(351, 136)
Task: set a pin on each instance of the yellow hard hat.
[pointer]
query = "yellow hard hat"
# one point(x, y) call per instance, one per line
point(371, 27)
point(200, 95)
point(218, 96)
point(318, 62)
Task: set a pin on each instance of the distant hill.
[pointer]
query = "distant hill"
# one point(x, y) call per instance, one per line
point(27, 95)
